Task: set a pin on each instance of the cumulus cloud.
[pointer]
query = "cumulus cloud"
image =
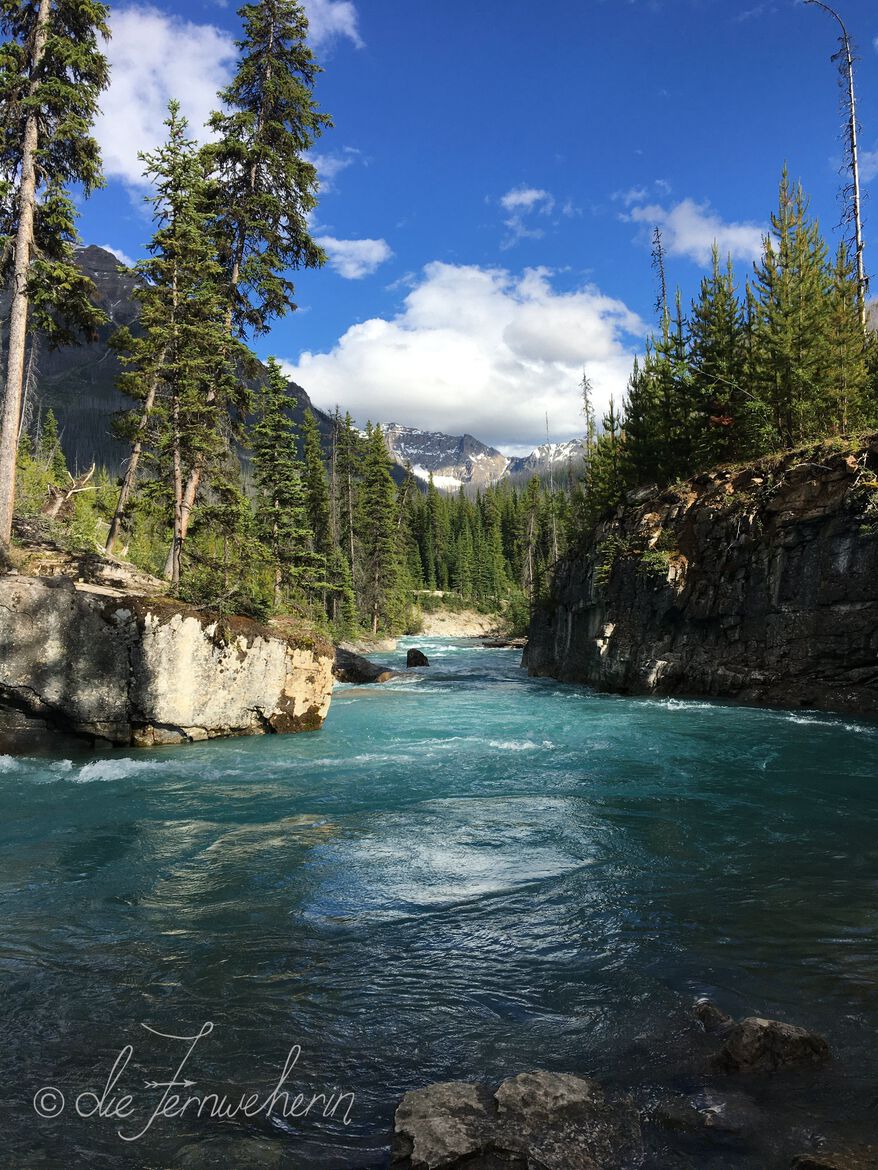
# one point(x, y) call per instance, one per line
point(331, 19)
point(121, 256)
point(354, 259)
point(690, 229)
point(480, 350)
point(153, 57)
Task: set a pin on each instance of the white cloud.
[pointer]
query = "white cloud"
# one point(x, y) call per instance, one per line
point(154, 57)
point(480, 350)
point(330, 19)
point(527, 199)
point(868, 165)
point(690, 229)
point(330, 165)
point(121, 256)
point(354, 259)
point(522, 203)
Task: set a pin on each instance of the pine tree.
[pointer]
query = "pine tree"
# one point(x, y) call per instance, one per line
point(383, 602)
point(263, 185)
point(845, 405)
point(52, 73)
point(717, 355)
point(791, 323)
point(181, 356)
point(282, 518)
point(606, 473)
point(50, 449)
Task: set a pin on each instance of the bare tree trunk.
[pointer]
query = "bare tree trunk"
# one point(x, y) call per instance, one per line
point(846, 65)
point(10, 419)
point(130, 477)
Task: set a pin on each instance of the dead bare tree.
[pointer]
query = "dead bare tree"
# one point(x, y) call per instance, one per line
point(852, 196)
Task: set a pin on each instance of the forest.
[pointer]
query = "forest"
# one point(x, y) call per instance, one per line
point(243, 512)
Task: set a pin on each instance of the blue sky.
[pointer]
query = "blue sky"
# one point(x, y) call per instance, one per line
point(493, 177)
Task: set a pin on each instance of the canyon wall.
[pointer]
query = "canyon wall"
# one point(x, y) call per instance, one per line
point(758, 585)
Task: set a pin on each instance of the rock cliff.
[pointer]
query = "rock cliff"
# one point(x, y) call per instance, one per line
point(757, 584)
point(123, 669)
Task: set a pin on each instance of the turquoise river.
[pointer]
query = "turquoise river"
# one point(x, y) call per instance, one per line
point(466, 874)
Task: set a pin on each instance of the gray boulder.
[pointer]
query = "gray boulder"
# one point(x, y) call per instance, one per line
point(416, 658)
point(534, 1121)
point(756, 1045)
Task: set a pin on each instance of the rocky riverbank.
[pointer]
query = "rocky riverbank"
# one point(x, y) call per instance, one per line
point(120, 668)
point(750, 1074)
point(757, 584)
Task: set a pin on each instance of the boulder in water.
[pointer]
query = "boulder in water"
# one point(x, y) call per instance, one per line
point(712, 1018)
point(534, 1121)
point(416, 658)
point(349, 667)
point(756, 1045)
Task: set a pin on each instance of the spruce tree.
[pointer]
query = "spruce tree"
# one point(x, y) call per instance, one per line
point(791, 289)
point(282, 520)
point(845, 392)
point(181, 356)
point(52, 73)
point(717, 355)
point(383, 601)
point(263, 187)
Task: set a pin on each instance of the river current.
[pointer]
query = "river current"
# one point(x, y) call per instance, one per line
point(466, 874)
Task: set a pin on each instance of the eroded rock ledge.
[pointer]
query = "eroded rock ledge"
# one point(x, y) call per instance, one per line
point(758, 584)
point(134, 670)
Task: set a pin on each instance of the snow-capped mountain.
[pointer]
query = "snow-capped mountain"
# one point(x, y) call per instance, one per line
point(460, 460)
point(547, 457)
point(454, 460)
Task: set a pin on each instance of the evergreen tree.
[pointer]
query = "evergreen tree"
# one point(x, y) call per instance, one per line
point(381, 591)
point(791, 321)
point(717, 355)
point(606, 472)
point(181, 357)
point(52, 73)
point(282, 502)
point(50, 448)
point(845, 405)
point(263, 185)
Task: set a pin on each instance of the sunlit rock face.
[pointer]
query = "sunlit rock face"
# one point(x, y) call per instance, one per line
point(131, 670)
point(756, 584)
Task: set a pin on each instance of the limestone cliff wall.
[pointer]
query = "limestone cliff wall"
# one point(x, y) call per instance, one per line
point(758, 585)
point(130, 670)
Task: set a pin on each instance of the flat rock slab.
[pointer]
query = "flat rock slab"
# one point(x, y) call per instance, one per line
point(534, 1121)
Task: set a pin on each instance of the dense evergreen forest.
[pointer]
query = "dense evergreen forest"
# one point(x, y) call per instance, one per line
point(781, 360)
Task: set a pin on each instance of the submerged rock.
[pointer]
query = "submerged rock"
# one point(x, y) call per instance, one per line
point(534, 1121)
point(416, 658)
point(712, 1018)
point(135, 670)
point(349, 667)
point(756, 1045)
point(863, 1159)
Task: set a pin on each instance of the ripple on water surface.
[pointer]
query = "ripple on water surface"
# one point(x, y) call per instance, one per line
point(466, 873)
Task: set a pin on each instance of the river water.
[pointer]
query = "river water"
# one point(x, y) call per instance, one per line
point(464, 875)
